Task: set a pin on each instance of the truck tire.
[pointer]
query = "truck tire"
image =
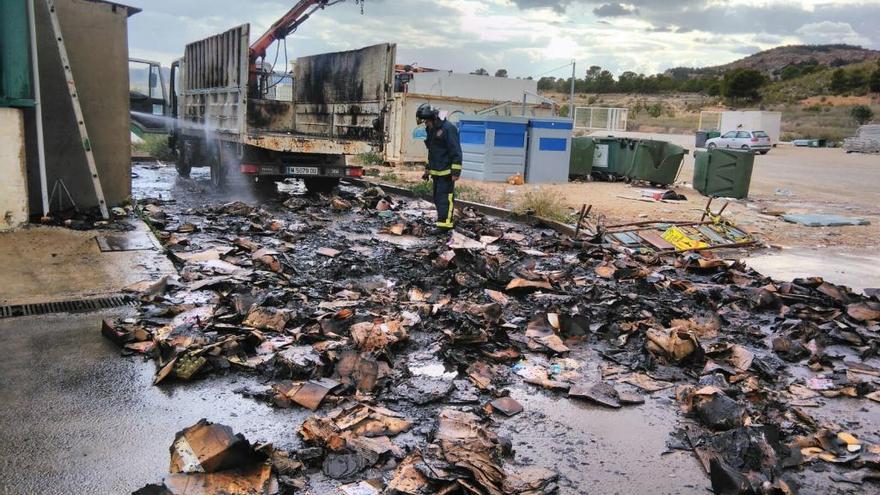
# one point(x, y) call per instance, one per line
point(318, 185)
point(184, 160)
point(225, 172)
point(218, 171)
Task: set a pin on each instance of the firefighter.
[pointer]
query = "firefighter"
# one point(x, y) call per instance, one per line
point(444, 162)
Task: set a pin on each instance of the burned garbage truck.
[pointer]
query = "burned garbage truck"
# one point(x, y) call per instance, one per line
point(252, 124)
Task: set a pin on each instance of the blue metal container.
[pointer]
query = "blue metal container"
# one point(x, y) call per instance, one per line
point(493, 147)
point(549, 150)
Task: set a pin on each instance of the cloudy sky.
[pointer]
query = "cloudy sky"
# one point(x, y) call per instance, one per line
point(527, 37)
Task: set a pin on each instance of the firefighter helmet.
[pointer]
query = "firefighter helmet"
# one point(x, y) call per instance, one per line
point(425, 112)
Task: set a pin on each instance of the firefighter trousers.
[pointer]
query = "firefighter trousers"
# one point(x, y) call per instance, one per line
point(444, 199)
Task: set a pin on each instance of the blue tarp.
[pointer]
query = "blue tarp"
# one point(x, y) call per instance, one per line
point(815, 220)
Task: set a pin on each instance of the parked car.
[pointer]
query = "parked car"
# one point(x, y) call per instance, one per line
point(757, 141)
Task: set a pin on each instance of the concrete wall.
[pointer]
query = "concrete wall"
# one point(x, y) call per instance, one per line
point(96, 35)
point(406, 143)
point(13, 185)
point(490, 88)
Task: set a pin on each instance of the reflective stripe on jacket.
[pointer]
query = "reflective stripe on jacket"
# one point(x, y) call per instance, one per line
point(444, 150)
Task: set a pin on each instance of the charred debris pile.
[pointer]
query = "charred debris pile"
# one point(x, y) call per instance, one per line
point(405, 345)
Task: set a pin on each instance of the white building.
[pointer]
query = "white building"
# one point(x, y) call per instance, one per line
point(469, 86)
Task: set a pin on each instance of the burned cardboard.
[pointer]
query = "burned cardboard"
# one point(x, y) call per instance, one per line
point(500, 306)
point(207, 447)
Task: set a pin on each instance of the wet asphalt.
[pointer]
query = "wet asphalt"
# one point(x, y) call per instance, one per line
point(79, 419)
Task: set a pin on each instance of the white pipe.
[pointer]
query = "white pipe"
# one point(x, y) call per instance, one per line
point(38, 107)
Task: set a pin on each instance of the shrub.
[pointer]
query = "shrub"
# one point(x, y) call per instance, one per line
point(370, 158)
point(862, 114)
point(422, 188)
point(389, 177)
point(156, 145)
point(542, 203)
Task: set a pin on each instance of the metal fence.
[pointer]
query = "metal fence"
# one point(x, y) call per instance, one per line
point(600, 118)
point(710, 120)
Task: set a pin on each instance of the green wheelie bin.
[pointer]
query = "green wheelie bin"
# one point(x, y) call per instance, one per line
point(657, 162)
point(723, 173)
point(580, 165)
point(606, 158)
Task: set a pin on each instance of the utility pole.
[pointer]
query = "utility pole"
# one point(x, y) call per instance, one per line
point(571, 99)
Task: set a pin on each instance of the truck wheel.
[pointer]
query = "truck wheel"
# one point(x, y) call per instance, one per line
point(218, 173)
point(320, 184)
point(184, 162)
point(225, 171)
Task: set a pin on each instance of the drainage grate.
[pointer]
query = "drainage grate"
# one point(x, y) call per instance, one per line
point(79, 306)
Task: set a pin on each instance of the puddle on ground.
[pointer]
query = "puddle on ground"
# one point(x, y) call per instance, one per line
point(601, 450)
point(858, 271)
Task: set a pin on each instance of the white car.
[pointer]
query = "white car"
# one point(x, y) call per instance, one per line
point(757, 141)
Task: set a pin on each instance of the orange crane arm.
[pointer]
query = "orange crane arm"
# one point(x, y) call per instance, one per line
point(286, 25)
point(280, 30)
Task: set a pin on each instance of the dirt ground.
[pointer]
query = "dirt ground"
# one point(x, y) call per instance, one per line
point(787, 180)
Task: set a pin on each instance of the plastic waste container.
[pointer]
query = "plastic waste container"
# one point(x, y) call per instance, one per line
point(493, 147)
point(583, 150)
point(723, 173)
point(605, 156)
point(549, 150)
point(657, 162)
point(700, 139)
point(612, 157)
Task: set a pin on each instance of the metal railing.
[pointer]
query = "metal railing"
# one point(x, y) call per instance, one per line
point(600, 118)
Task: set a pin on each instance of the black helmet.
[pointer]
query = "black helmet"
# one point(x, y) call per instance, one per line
point(425, 112)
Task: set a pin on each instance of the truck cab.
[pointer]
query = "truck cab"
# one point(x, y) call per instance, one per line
point(148, 97)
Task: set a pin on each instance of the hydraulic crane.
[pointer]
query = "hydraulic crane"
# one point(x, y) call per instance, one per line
point(282, 28)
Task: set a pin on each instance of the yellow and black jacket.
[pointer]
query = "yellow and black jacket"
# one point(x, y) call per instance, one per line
point(444, 150)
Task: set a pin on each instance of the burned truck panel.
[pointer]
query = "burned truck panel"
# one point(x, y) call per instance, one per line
point(213, 93)
point(342, 95)
point(238, 123)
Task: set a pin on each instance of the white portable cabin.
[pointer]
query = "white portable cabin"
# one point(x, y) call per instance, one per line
point(753, 120)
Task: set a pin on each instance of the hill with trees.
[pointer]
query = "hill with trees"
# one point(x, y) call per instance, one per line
point(778, 75)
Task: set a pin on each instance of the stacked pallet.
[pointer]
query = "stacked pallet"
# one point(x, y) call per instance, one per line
point(867, 140)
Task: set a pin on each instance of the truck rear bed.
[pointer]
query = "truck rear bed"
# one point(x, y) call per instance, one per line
point(337, 107)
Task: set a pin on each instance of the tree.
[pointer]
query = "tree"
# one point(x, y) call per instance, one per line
point(546, 83)
point(627, 81)
point(714, 89)
point(857, 79)
point(604, 82)
point(874, 81)
point(838, 81)
point(742, 84)
point(480, 72)
point(501, 73)
point(862, 114)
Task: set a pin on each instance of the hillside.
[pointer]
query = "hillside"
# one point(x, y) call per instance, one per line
point(773, 61)
point(818, 83)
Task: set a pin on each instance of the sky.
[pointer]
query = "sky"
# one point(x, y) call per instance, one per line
point(526, 37)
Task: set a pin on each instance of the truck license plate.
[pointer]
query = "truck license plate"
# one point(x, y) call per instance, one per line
point(302, 170)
